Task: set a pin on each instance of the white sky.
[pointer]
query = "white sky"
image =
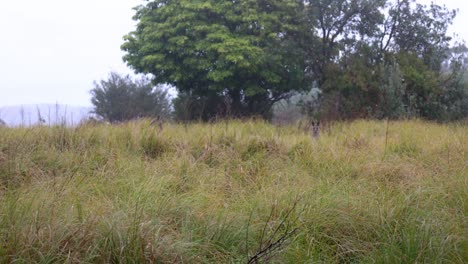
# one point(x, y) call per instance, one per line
point(52, 50)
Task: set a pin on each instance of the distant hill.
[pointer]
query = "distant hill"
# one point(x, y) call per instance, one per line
point(51, 114)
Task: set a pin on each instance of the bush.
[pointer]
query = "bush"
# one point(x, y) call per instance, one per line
point(120, 99)
point(154, 147)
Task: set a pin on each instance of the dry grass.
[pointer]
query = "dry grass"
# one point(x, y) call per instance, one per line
point(220, 193)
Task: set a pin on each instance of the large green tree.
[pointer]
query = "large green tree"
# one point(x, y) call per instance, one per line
point(245, 53)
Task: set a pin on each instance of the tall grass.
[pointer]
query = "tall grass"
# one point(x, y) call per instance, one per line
point(234, 192)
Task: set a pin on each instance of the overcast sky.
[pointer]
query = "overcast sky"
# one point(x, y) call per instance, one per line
point(52, 50)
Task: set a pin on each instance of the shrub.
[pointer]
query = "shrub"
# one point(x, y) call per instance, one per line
point(154, 146)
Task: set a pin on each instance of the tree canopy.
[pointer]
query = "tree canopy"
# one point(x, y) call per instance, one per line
point(240, 57)
point(243, 50)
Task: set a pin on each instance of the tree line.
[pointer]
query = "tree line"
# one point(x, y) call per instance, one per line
point(364, 58)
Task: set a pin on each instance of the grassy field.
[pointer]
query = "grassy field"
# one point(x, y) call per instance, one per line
point(234, 192)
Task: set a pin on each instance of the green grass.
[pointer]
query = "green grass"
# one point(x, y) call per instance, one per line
point(226, 192)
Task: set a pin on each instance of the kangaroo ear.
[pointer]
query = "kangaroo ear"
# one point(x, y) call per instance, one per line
point(318, 123)
point(313, 123)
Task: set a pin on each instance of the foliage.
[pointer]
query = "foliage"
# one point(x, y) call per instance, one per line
point(367, 48)
point(188, 106)
point(393, 89)
point(421, 31)
point(120, 98)
point(239, 58)
point(337, 24)
point(227, 192)
point(454, 95)
point(240, 50)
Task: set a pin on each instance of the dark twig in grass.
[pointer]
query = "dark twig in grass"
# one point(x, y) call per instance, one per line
point(270, 248)
point(265, 227)
point(288, 213)
point(211, 132)
point(247, 236)
point(448, 156)
point(386, 140)
point(267, 250)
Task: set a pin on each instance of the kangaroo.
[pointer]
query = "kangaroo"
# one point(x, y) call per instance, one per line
point(315, 129)
point(157, 121)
